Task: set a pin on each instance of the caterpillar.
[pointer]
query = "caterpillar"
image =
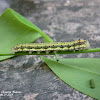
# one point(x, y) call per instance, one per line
point(92, 84)
point(51, 47)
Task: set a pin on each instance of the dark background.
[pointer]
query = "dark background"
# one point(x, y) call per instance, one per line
point(62, 20)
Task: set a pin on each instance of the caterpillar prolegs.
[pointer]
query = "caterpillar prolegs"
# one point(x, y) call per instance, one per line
point(51, 47)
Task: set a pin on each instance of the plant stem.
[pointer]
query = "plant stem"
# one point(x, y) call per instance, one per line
point(51, 53)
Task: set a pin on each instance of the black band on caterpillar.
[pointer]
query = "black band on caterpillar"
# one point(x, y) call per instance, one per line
point(51, 47)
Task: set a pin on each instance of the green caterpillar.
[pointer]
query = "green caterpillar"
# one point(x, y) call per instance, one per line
point(92, 84)
point(51, 47)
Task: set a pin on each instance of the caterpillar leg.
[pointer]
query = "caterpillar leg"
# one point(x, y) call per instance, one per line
point(13, 52)
point(30, 52)
point(38, 52)
point(47, 52)
point(55, 51)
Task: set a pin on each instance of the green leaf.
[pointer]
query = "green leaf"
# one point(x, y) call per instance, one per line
point(78, 73)
point(15, 29)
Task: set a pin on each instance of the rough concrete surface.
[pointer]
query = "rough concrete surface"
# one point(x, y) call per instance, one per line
point(28, 77)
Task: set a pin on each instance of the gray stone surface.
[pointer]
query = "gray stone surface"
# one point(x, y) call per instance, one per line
point(62, 20)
